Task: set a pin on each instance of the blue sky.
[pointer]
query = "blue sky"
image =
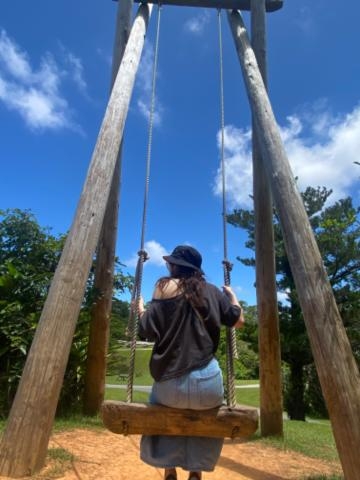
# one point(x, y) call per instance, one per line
point(55, 64)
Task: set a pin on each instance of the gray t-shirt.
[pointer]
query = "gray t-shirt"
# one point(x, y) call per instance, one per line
point(183, 340)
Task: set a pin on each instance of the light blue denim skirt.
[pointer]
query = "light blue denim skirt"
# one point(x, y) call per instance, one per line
point(199, 390)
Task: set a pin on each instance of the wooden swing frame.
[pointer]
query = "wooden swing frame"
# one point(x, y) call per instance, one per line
point(26, 436)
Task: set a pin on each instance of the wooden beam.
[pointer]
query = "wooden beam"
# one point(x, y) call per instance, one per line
point(337, 369)
point(142, 418)
point(271, 408)
point(105, 257)
point(24, 443)
point(271, 5)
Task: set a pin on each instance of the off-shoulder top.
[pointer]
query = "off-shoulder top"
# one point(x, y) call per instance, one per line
point(183, 341)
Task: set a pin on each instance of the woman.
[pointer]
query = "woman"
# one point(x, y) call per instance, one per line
point(184, 320)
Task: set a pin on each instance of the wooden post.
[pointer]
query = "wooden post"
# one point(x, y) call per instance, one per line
point(105, 258)
point(338, 373)
point(25, 440)
point(271, 407)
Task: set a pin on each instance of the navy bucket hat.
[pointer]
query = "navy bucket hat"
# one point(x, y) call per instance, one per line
point(185, 256)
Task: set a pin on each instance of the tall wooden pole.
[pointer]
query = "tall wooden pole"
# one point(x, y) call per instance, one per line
point(105, 258)
point(25, 440)
point(271, 407)
point(338, 372)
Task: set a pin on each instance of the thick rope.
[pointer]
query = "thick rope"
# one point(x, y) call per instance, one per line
point(231, 351)
point(142, 254)
point(134, 321)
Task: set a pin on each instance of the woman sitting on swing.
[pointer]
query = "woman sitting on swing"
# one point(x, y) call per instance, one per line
point(184, 320)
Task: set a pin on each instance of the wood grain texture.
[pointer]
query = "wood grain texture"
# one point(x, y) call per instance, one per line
point(105, 256)
point(271, 405)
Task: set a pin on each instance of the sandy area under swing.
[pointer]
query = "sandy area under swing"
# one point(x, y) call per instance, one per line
point(102, 455)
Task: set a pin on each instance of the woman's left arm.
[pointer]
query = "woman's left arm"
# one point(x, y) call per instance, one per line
point(229, 292)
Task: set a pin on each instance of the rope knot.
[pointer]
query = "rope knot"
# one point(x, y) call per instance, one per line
point(143, 255)
point(227, 265)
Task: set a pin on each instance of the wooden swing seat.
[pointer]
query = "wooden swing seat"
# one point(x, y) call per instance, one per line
point(143, 418)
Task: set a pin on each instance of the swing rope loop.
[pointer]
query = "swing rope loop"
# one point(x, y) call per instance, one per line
point(142, 254)
point(231, 350)
point(151, 127)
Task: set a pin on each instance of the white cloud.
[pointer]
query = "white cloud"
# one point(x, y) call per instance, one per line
point(238, 167)
point(36, 94)
point(326, 157)
point(144, 109)
point(321, 148)
point(144, 84)
point(38, 109)
point(75, 69)
point(196, 25)
point(155, 251)
point(13, 58)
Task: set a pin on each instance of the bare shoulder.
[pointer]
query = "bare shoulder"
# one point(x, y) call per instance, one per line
point(170, 289)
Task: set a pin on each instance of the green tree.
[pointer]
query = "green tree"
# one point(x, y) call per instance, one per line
point(246, 366)
point(28, 258)
point(118, 332)
point(29, 255)
point(119, 321)
point(337, 232)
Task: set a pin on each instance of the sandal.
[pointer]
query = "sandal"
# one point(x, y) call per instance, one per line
point(172, 475)
point(195, 476)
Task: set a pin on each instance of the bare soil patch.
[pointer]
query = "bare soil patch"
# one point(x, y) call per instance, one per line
point(102, 455)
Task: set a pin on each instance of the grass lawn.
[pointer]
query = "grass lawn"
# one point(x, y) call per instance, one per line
point(312, 439)
point(120, 395)
point(248, 396)
point(141, 374)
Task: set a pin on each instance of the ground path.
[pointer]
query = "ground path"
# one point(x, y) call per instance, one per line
point(102, 455)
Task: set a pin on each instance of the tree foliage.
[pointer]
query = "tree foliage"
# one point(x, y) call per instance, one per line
point(246, 366)
point(28, 258)
point(29, 255)
point(118, 332)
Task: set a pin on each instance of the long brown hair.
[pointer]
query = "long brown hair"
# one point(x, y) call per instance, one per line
point(190, 282)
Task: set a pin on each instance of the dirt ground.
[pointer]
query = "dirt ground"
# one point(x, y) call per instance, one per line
point(102, 455)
